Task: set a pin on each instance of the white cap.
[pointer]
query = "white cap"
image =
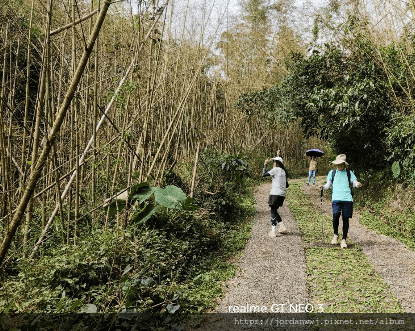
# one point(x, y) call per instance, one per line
point(278, 158)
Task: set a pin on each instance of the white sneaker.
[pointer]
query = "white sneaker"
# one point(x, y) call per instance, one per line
point(272, 234)
point(334, 240)
point(282, 229)
point(343, 244)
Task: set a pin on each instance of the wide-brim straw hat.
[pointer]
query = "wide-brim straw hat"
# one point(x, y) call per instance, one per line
point(278, 158)
point(341, 158)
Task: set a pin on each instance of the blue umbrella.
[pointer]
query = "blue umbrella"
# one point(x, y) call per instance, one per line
point(314, 152)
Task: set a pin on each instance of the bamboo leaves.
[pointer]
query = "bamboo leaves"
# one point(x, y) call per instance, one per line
point(89, 308)
point(396, 169)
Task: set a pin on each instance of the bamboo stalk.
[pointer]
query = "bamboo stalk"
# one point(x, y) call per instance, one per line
point(76, 126)
point(72, 24)
point(58, 189)
point(83, 155)
point(192, 187)
point(49, 140)
point(39, 107)
point(4, 165)
point(94, 123)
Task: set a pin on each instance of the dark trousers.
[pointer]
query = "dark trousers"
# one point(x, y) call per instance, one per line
point(275, 202)
point(336, 221)
point(275, 217)
point(344, 208)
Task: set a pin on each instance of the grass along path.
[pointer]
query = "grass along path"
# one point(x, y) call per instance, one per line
point(341, 280)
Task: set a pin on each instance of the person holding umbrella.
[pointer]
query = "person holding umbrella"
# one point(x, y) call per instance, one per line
point(342, 200)
point(313, 153)
point(277, 195)
point(312, 170)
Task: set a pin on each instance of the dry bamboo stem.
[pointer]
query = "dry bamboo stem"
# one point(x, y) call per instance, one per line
point(4, 165)
point(76, 126)
point(103, 117)
point(67, 26)
point(192, 187)
point(39, 107)
point(50, 139)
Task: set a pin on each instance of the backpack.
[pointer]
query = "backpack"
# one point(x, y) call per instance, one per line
point(348, 177)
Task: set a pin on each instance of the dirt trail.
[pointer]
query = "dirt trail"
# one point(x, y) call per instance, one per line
point(392, 260)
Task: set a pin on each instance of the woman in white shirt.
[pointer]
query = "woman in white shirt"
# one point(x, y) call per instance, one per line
point(277, 195)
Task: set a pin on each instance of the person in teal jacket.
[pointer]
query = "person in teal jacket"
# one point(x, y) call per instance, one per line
point(342, 200)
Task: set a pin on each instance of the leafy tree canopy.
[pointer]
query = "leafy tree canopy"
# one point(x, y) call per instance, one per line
point(337, 96)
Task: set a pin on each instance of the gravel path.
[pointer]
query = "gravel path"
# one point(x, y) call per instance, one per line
point(392, 260)
point(272, 270)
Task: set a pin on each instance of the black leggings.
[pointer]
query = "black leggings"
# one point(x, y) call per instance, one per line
point(275, 217)
point(336, 220)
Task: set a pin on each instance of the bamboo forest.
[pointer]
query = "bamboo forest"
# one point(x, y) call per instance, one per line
point(133, 135)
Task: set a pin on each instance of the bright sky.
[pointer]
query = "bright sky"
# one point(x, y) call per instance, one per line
point(208, 18)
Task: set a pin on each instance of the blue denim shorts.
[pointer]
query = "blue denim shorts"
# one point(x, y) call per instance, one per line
point(343, 207)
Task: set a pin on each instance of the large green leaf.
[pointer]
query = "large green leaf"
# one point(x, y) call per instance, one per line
point(144, 214)
point(170, 197)
point(142, 192)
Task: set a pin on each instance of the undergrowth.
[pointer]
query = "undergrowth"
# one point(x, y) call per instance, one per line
point(387, 206)
point(173, 264)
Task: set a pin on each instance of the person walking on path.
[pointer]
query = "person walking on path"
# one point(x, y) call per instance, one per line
point(312, 170)
point(277, 195)
point(342, 200)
